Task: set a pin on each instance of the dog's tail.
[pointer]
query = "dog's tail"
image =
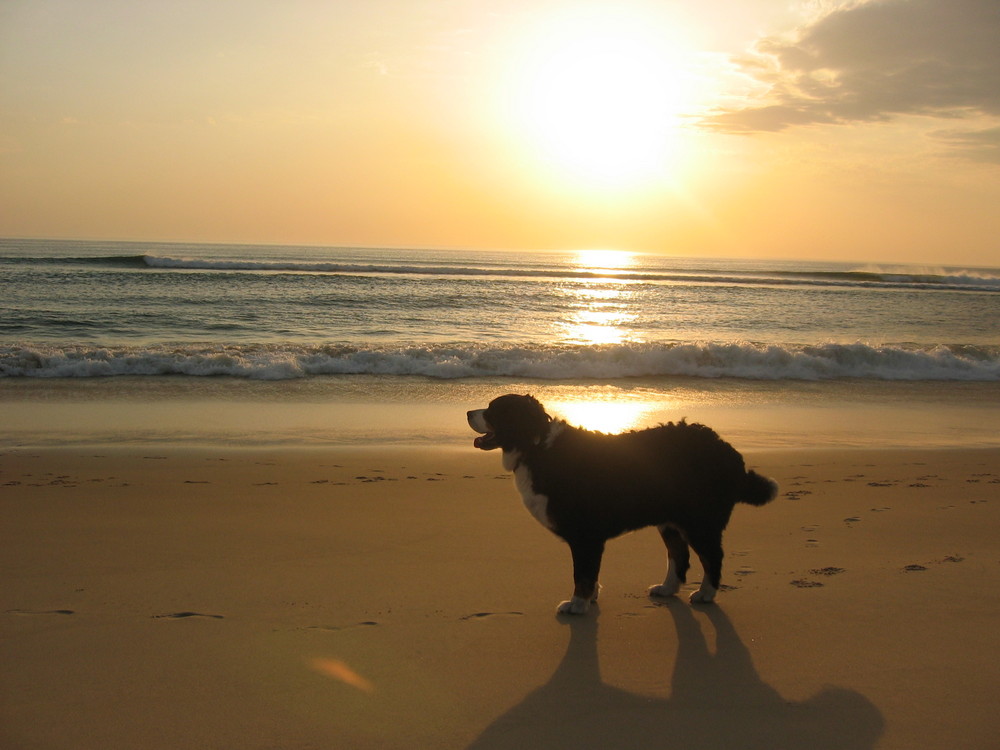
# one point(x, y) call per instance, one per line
point(758, 490)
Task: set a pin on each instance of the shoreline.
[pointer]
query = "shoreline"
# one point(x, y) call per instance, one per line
point(402, 597)
point(356, 410)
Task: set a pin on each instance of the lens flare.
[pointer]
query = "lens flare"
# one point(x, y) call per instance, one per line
point(338, 670)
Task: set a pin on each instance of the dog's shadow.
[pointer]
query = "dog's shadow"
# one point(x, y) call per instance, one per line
point(717, 700)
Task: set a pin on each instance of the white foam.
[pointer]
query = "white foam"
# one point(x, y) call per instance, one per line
point(704, 360)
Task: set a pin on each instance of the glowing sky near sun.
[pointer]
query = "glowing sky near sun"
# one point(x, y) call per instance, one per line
point(837, 129)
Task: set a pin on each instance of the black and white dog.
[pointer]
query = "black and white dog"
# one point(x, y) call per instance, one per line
point(588, 487)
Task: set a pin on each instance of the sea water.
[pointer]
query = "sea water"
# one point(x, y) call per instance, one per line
point(163, 325)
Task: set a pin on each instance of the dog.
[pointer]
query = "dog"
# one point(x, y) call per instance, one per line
point(587, 487)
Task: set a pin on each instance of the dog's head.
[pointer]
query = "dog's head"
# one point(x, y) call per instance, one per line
point(510, 422)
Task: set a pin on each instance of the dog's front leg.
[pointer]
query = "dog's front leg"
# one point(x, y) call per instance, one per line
point(587, 555)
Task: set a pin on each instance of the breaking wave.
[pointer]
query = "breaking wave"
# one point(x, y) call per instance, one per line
point(701, 360)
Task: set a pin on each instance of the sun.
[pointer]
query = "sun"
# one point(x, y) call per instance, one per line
point(601, 95)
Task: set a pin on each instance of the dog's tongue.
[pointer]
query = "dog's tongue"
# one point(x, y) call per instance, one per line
point(484, 442)
point(478, 442)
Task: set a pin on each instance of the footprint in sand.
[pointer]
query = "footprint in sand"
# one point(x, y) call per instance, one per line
point(482, 615)
point(182, 615)
point(827, 571)
point(797, 494)
point(40, 612)
point(336, 628)
point(805, 583)
point(916, 568)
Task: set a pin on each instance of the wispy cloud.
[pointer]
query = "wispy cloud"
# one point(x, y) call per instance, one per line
point(875, 61)
point(979, 145)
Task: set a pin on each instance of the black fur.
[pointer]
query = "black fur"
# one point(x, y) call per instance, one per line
point(682, 478)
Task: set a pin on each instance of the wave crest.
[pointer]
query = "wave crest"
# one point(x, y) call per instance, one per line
point(704, 360)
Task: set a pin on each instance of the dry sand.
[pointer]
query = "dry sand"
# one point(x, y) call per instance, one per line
point(402, 598)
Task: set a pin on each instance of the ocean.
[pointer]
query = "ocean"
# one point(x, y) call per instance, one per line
point(85, 322)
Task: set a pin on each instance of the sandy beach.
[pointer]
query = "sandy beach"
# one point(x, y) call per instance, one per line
point(388, 597)
point(261, 261)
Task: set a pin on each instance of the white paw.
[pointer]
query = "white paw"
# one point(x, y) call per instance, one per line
point(663, 589)
point(704, 595)
point(575, 606)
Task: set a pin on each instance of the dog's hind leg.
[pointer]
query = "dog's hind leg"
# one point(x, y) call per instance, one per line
point(678, 562)
point(587, 554)
point(709, 549)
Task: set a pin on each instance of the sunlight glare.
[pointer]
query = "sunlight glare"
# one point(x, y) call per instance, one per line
point(604, 260)
point(606, 416)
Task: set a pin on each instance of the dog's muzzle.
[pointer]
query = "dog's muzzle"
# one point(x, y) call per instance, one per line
point(487, 439)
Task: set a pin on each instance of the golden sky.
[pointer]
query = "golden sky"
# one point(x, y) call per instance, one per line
point(825, 129)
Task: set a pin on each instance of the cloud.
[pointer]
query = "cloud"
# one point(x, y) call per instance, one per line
point(874, 61)
point(979, 145)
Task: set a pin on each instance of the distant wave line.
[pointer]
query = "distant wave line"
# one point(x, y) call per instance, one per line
point(983, 280)
point(977, 280)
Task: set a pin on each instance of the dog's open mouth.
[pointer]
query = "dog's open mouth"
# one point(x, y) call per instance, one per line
point(487, 439)
point(486, 442)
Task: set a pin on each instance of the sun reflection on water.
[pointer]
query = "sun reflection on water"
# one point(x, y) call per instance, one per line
point(599, 308)
point(604, 260)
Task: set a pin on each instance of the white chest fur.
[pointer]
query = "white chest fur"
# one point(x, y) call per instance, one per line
point(536, 504)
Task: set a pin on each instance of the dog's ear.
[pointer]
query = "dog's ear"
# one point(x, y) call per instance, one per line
point(538, 404)
point(536, 419)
